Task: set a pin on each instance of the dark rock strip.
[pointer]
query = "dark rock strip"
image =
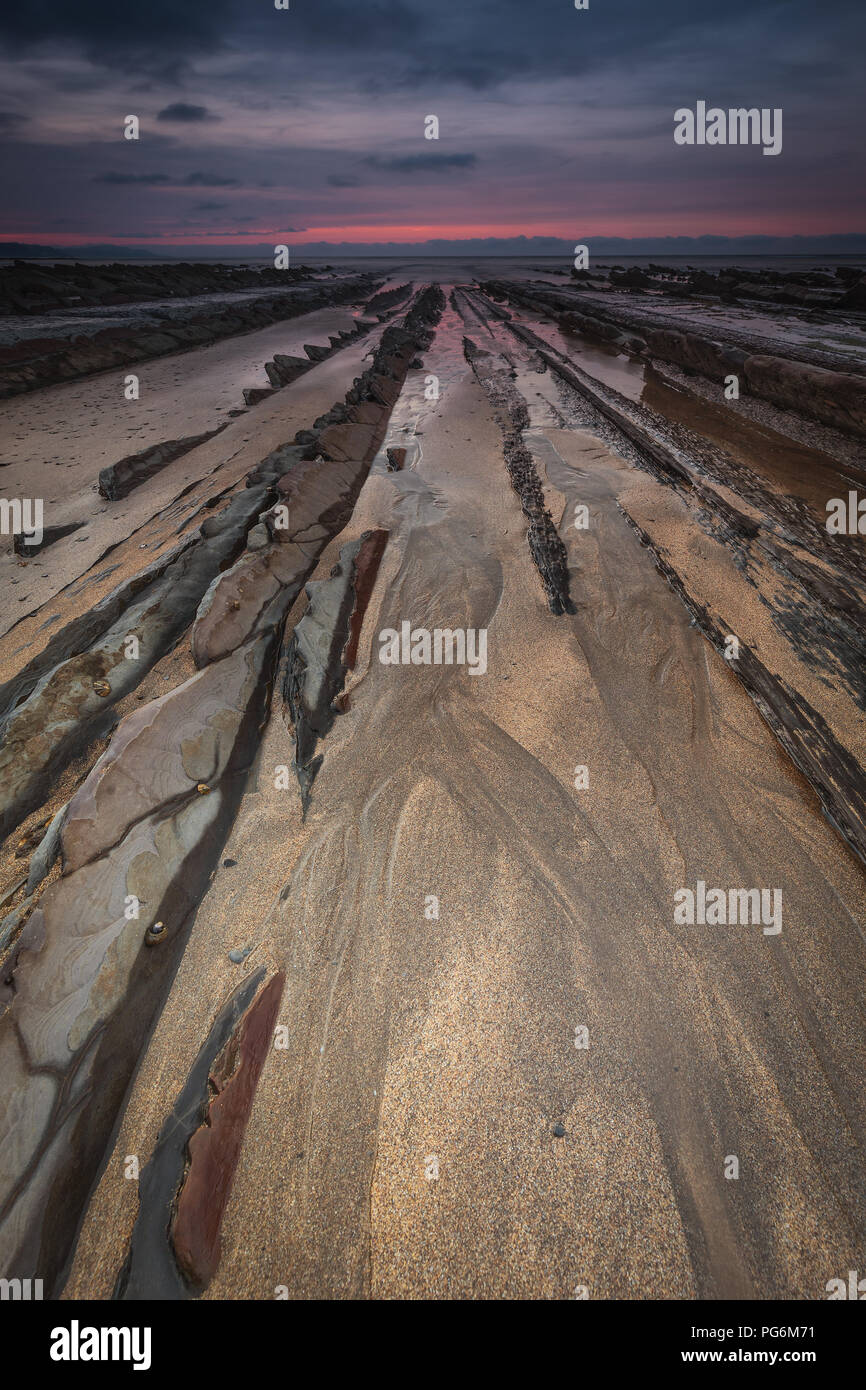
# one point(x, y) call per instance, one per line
point(72, 703)
point(832, 396)
point(355, 427)
point(367, 562)
point(28, 287)
point(826, 605)
point(35, 362)
point(588, 325)
point(262, 585)
point(215, 1147)
point(83, 630)
point(284, 369)
point(119, 479)
point(50, 534)
point(835, 775)
point(87, 982)
point(319, 492)
point(353, 431)
point(386, 300)
point(324, 647)
point(150, 1270)
point(667, 462)
point(545, 544)
point(829, 603)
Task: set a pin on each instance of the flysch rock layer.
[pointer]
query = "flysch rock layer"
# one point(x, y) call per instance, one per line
point(184, 1186)
point(323, 648)
point(138, 842)
point(215, 1147)
point(836, 398)
point(89, 979)
point(413, 1037)
point(73, 701)
point(315, 502)
point(36, 362)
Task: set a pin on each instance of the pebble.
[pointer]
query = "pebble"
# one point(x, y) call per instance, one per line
point(236, 956)
point(559, 1131)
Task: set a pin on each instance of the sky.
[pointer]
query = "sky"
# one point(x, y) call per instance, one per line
point(307, 125)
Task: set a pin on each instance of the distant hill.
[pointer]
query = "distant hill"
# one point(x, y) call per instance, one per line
point(32, 250)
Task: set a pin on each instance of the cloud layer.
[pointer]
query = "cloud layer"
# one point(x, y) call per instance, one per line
point(550, 119)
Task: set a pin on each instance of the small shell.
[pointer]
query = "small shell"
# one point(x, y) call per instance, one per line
point(155, 934)
point(102, 687)
point(202, 788)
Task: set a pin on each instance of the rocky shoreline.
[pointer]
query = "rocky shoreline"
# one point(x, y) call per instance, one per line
point(833, 396)
point(281, 923)
point(31, 363)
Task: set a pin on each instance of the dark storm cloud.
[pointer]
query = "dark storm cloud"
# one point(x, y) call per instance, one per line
point(112, 177)
point(418, 163)
point(413, 43)
point(106, 29)
point(198, 180)
point(12, 120)
point(484, 71)
point(135, 38)
point(185, 113)
point(566, 109)
point(488, 43)
point(194, 180)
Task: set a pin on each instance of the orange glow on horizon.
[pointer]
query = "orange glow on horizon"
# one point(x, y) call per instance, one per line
point(654, 225)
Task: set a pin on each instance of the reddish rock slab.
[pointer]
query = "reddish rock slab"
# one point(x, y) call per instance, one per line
point(215, 1148)
point(350, 441)
point(367, 563)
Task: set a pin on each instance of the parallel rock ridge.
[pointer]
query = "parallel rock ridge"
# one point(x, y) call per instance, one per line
point(323, 648)
point(183, 1189)
point(345, 1032)
point(35, 362)
point(835, 397)
point(141, 836)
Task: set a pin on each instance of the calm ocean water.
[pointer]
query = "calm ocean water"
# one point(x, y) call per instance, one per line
point(471, 267)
